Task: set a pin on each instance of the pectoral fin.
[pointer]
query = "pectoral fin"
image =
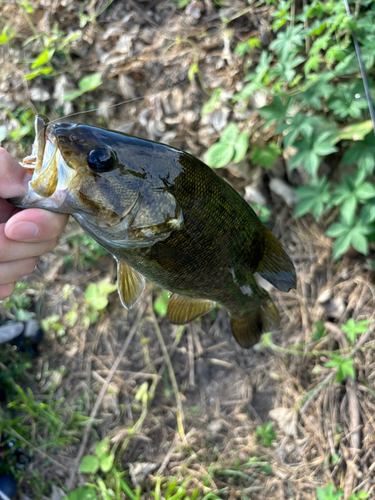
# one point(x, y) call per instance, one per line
point(130, 284)
point(182, 310)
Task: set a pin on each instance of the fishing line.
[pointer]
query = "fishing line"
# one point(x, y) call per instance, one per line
point(363, 72)
point(120, 103)
point(113, 106)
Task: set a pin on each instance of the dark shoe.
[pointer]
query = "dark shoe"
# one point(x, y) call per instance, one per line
point(26, 336)
point(8, 487)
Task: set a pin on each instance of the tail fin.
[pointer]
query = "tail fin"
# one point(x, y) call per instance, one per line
point(276, 266)
point(248, 328)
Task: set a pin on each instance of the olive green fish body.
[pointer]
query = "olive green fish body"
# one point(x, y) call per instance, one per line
point(165, 216)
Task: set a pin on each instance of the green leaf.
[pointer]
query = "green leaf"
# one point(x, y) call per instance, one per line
point(328, 493)
point(365, 191)
point(313, 198)
point(72, 95)
point(70, 38)
point(312, 64)
point(43, 58)
point(349, 234)
point(28, 7)
point(266, 433)
point(85, 84)
point(353, 328)
point(246, 92)
point(229, 135)
point(161, 303)
point(336, 229)
point(34, 74)
point(344, 103)
point(106, 463)
point(289, 40)
point(219, 155)
point(335, 53)
point(348, 209)
point(312, 97)
point(362, 152)
point(368, 212)
point(265, 156)
point(193, 69)
point(310, 150)
point(210, 106)
point(242, 49)
point(359, 242)
point(285, 68)
point(241, 146)
point(89, 464)
point(299, 124)
point(99, 303)
point(356, 131)
point(344, 365)
point(7, 34)
point(275, 112)
point(91, 291)
point(319, 331)
point(105, 288)
point(90, 82)
point(83, 493)
point(102, 448)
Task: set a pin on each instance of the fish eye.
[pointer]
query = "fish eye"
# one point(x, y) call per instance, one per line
point(100, 160)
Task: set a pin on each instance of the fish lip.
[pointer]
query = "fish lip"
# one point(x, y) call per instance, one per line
point(51, 176)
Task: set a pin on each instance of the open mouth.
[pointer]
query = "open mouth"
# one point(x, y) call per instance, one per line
point(51, 176)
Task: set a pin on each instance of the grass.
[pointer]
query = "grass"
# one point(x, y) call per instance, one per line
point(183, 412)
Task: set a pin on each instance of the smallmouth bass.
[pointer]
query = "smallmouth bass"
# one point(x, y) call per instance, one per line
point(165, 216)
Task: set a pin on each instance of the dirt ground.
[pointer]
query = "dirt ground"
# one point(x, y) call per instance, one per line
point(324, 429)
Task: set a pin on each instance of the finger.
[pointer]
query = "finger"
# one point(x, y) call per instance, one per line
point(13, 271)
point(35, 225)
point(11, 250)
point(6, 211)
point(13, 177)
point(6, 290)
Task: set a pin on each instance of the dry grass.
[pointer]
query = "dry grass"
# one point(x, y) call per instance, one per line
point(206, 395)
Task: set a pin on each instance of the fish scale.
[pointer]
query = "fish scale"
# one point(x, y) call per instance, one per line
point(165, 216)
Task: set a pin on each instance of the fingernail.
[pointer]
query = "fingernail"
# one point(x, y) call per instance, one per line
point(23, 231)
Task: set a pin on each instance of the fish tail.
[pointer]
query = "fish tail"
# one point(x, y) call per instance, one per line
point(247, 328)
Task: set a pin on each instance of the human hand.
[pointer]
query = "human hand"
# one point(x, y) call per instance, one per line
point(24, 234)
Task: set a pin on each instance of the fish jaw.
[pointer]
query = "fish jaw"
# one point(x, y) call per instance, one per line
point(52, 178)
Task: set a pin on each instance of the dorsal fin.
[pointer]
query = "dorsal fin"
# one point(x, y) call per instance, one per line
point(182, 310)
point(276, 266)
point(130, 284)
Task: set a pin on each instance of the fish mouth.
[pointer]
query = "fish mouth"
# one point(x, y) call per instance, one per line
point(51, 175)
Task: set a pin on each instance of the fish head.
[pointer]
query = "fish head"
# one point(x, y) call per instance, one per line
point(104, 179)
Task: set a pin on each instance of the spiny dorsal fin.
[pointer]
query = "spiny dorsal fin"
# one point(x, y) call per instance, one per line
point(130, 284)
point(182, 310)
point(248, 328)
point(276, 266)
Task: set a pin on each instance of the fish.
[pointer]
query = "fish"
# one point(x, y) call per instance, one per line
point(166, 217)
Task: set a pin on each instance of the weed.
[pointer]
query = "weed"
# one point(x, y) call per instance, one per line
point(266, 433)
point(344, 367)
point(96, 300)
point(310, 68)
point(328, 493)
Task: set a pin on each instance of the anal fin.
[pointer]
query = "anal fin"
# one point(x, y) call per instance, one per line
point(182, 310)
point(248, 328)
point(130, 284)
